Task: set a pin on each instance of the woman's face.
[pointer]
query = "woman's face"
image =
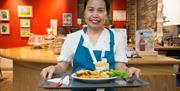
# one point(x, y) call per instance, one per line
point(95, 14)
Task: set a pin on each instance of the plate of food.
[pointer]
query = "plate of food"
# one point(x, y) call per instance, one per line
point(96, 76)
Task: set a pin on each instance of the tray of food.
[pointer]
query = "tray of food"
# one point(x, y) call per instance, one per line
point(92, 79)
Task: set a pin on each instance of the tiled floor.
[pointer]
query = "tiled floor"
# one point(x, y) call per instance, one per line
point(6, 83)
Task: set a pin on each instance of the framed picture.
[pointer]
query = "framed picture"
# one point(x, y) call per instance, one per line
point(119, 15)
point(144, 40)
point(25, 23)
point(25, 32)
point(4, 28)
point(4, 15)
point(67, 19)
point(24, 11)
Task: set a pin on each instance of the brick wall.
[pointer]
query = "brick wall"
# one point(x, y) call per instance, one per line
point(144, 14)
point(132, 18)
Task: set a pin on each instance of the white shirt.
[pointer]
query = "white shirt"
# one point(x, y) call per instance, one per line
point(103, 43)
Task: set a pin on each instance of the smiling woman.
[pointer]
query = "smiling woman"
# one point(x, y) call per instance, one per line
point(91, 45)
point(81, 7)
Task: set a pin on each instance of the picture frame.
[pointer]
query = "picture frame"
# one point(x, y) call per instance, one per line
point(147, 35)
point(25, 32)
point(4, 14)
point(4, 28)
point(25, 11)
point(25, 23)
point(67, 19)
point(119, 15)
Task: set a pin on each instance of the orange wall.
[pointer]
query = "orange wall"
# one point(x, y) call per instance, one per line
point(43, 11)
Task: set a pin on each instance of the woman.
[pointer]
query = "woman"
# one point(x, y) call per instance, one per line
point(103, 42)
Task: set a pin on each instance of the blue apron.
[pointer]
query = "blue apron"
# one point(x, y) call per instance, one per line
point(83, 60)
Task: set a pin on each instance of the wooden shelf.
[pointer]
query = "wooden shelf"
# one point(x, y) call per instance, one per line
point(178, 88)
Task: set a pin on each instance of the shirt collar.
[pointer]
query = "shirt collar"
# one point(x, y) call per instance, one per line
point(104, 37)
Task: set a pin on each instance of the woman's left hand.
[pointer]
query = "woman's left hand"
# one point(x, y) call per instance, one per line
point(134, 71)
point(131, 70)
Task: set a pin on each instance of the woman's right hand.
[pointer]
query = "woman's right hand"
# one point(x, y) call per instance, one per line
point(48, 72)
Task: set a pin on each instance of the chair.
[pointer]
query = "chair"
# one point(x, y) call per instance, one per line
point(61, 30)
point(74, 28)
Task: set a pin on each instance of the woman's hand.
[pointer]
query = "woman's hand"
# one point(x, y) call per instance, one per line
point(48, 72)
point(60, 67)
point(134, 71)
point(131, 70)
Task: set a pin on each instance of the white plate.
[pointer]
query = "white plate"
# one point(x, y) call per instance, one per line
point(94, 80)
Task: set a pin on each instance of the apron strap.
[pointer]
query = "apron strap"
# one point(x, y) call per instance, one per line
point(89, 48)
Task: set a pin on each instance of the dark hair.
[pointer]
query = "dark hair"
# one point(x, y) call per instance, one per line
point(107, 2)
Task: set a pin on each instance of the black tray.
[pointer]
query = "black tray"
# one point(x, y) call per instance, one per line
point(118, 83)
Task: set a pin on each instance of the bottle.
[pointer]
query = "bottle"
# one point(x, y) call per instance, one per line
point(141, 43)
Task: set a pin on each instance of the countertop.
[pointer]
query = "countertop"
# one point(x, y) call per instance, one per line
point(27, 54)
point(166, 48)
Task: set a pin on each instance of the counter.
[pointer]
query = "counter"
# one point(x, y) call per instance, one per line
point(27, 64)
point(166, 48)
point(171, 51)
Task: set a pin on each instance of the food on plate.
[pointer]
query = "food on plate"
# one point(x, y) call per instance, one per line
point(101, 65)
point(101, 74)
point(87, 74)
point(119, 73)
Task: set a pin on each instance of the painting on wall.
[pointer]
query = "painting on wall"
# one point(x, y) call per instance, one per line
point(67, 19)
point(24, 11)
point(4, 15)
point(119, 15)
point(4, 28)
point(25, 23)
point(25, 32)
